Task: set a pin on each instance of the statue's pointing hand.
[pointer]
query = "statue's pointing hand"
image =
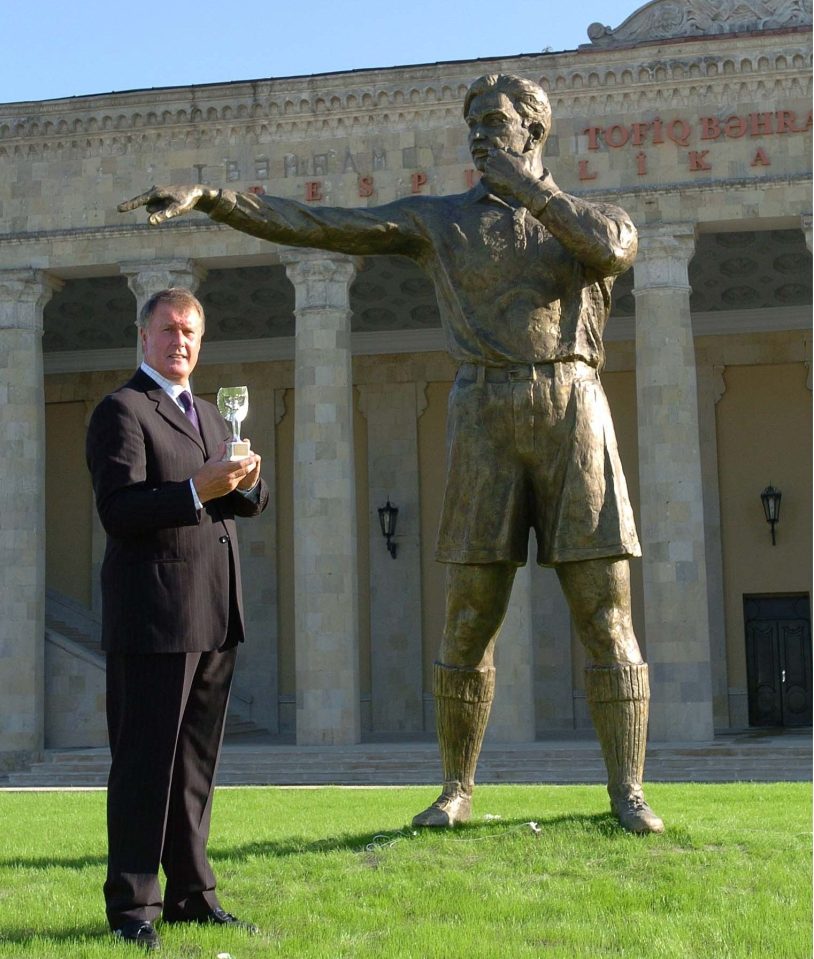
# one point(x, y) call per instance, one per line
point(165, 202)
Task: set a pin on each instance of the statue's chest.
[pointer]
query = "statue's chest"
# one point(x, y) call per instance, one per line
point(495, 248)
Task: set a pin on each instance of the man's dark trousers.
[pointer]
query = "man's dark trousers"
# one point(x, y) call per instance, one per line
point(159, 812)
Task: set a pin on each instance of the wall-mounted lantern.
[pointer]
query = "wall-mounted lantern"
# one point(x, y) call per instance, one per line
point(388, 514)
point(770, 498)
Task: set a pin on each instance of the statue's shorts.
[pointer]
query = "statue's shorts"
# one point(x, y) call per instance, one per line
point(533, 446)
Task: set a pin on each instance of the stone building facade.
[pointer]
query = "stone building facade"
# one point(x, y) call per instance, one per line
point(699, 126)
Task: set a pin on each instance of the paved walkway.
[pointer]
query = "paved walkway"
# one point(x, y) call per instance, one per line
point(256, 760)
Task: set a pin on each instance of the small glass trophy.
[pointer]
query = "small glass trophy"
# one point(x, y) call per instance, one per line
point(233, 405)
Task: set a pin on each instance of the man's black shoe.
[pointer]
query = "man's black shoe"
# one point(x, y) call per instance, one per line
point(216, 917)
point(140, 932)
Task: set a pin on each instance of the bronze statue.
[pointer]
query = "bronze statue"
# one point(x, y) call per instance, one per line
point(523, 274)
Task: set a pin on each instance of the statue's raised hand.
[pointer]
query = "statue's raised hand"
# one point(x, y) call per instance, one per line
point(165, 202)
point(513, 177)
point(509, 174)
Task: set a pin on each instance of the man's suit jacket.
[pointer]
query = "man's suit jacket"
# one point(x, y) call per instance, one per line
point(171, 573)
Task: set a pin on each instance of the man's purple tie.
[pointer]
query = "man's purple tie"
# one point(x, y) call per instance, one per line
point(185, 399)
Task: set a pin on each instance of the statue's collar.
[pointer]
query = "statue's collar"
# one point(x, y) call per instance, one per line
point(480, 192)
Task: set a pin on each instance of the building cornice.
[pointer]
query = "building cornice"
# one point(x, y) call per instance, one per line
point(335, 105)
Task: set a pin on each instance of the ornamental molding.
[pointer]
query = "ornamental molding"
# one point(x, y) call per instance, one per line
point(264, 112)
point(23, 295)
point(665, 251)
point(671, 20)
point(395, 342)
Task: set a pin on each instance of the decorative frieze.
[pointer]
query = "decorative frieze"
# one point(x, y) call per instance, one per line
point(667, 20)
point(405, 99)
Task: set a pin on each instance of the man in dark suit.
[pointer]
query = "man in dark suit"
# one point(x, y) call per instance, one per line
point(172, 617)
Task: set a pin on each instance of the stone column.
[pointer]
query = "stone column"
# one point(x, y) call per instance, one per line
point(512, 719)
point(554, 685)
point(805, 226)
point(146, 278)
point(255, 691)
point(392, 411)
point(711, 387)
point(23, 295)
point(672, 511)
point(325, 610)
point(98, 537)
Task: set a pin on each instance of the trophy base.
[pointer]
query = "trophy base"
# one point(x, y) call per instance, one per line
point(237, 450)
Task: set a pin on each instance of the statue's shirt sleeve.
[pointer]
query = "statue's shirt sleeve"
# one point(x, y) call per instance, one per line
point(387, 229)
point(513, 286)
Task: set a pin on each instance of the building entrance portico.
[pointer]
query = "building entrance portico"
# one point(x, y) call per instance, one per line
point(709, 150)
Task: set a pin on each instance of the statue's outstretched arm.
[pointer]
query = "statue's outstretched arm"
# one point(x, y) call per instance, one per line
point(396, 227)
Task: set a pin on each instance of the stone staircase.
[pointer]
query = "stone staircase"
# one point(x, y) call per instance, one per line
point(77, 631)
point(252, 757)
point(259, 761)
point(73, 621)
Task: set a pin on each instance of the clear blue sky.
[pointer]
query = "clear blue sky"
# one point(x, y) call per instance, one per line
point(54, 48)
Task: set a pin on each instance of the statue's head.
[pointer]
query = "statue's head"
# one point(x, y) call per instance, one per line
point(506, 112)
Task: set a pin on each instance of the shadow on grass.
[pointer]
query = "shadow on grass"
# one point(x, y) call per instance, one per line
point(603, 824)
point(46, 862)
point(581, 826)
point(83, 935)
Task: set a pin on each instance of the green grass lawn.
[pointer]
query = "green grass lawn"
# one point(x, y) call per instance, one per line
point(334, 872)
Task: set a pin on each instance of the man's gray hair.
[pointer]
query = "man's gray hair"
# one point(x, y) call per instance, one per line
point(176, 296)
point(528, 98)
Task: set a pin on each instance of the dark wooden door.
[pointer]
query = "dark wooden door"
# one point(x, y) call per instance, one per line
point(778, 660)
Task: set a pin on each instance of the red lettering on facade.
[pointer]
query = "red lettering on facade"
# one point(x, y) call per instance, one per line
point(257, 190)
point(735, 127)
point(365, 186)
point(313, 189)
point(698, 161)
point(639, 132)
point(658, 136)
point(710, 128)
point(682, 132)
point(760, 124)
point(679, 132)
point(418, 180)
point(785, 122)
point(593, 134)
point(584, 172)
point(617, 136)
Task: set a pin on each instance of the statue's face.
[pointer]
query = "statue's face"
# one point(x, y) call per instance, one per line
point(495, 124)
